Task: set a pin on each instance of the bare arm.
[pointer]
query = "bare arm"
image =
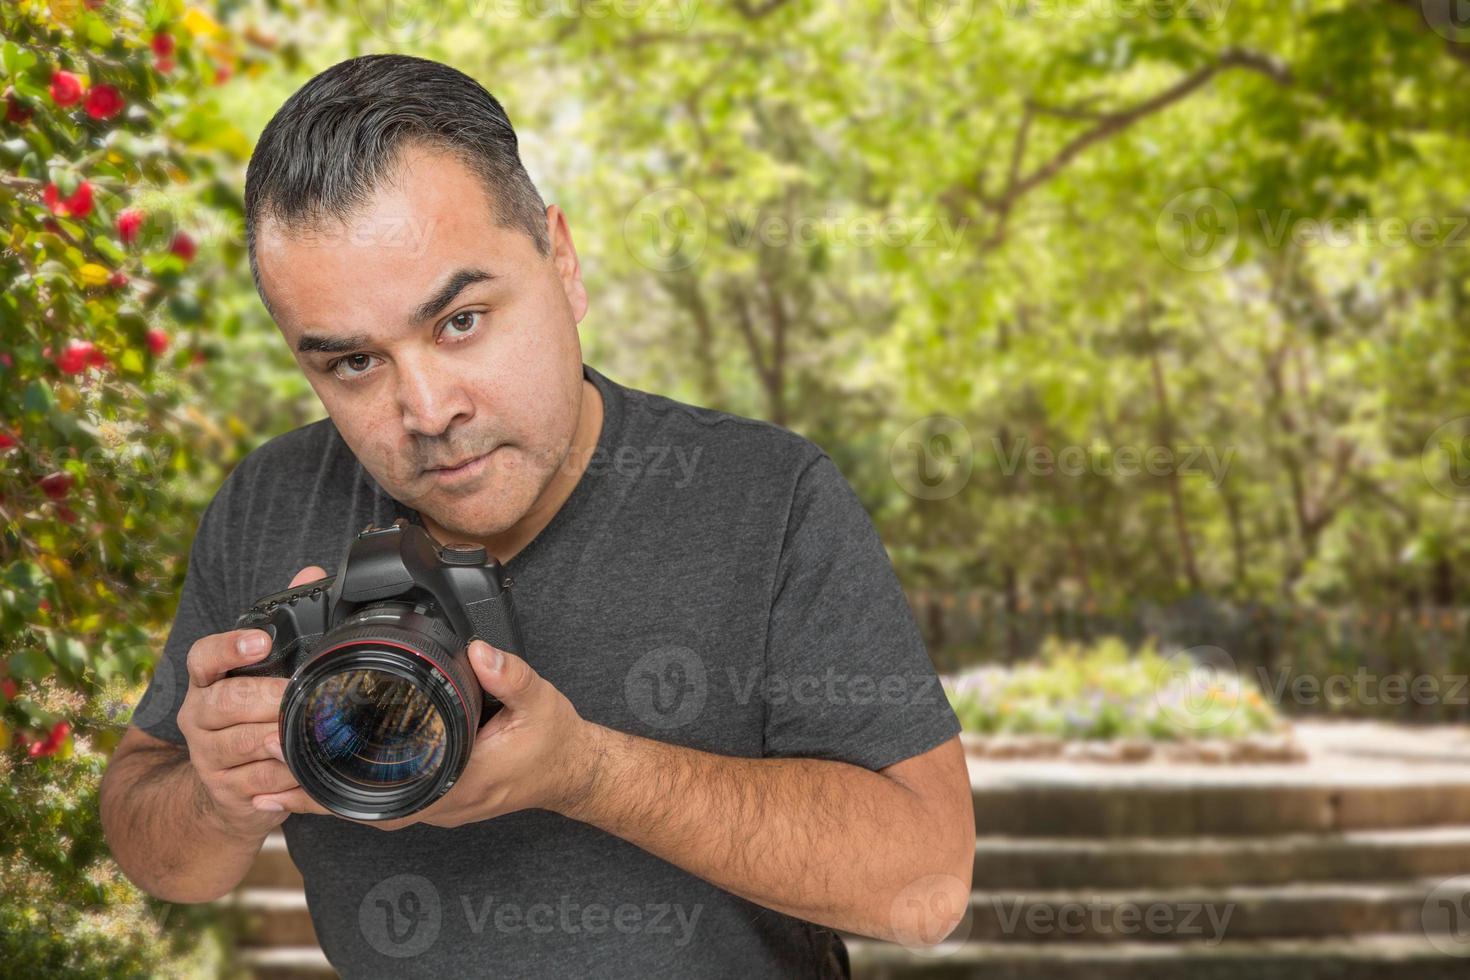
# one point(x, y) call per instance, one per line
point(161, 825)
point(182, 821)
point(886, 854)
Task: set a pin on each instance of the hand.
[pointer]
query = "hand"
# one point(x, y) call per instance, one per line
point(231, 727)
point(530, 754)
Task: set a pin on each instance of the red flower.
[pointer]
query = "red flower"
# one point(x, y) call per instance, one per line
point(118, 280)
point(104, 102)
point(157, 341)
point(67, 515)
point(6, 439)
point(222, 73)
point(129, 223)
point(7, 686)
point(66, 88)
point(57, 485)
point(183, 246)
point(165, 65)
point(5, 359)
point(79, 205)
point(95, 358)
point(75, 357)
point(15, 112)
point(163, 44)
point(52, 742)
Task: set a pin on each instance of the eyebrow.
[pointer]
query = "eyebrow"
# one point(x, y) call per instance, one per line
point(441, 298)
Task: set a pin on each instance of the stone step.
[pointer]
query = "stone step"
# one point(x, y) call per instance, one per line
point(272, 917)
point(1203, 915)
point(1359, 855)
point(273, 867)
point(1073, 800)
point(286, 963)
point(1365, 957)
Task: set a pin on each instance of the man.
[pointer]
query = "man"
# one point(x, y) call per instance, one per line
point(724, 740)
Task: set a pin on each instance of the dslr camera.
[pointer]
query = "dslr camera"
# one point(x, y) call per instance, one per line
point(382, 707)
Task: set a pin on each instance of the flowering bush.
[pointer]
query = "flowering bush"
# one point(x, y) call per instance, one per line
point(1108, 691)
point(111, 155)
point(65, 910)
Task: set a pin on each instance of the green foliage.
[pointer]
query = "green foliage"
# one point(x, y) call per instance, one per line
point(1108, 691)
point(65, 910)
point(115, 160)
point(1053, 169)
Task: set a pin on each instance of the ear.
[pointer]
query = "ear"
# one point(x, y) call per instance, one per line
point(564, 256)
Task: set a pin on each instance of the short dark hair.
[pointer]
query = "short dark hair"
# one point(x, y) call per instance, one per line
point(336, 138)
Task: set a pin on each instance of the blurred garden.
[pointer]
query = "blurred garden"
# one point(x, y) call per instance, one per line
point(1139, 328)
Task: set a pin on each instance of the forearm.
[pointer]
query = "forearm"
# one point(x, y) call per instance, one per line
point(159, 824)
point(825, 841)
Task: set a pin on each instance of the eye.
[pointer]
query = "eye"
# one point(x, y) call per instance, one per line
point(351, 366)
point(462, 324)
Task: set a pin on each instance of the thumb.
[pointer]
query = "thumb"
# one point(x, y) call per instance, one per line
point(503, 674)
point(308, 574)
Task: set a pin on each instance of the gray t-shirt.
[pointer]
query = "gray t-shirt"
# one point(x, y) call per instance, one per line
point(712, 581)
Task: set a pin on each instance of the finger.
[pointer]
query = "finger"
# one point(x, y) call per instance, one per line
point(260, 778)
point(504, 675)
point(241, 744)
point(292, 801)
point(239, 701)
point(308, 574)
point(213, 655)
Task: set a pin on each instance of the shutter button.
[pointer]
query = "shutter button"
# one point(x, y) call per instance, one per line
point(462, 554)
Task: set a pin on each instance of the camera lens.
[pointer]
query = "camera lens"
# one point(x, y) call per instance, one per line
point(374, 728)
point(380, 721)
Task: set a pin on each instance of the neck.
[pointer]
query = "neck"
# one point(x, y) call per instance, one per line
point(508, 543)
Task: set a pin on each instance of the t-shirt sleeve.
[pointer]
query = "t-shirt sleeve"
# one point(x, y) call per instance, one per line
point(848, 677)
point(202, 611)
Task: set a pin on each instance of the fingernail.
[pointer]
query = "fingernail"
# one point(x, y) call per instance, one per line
point(269, 806)
point(252, 644)
point(497, 659)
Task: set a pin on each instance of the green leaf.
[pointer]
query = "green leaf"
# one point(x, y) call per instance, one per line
point(108, 248)
point(30, 665)
point(16, 58)
point(96, 31)
point(38, 400)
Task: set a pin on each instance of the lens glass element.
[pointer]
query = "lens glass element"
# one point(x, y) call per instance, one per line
point(373, 728)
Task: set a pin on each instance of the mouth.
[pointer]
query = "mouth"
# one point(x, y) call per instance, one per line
point(462, 468)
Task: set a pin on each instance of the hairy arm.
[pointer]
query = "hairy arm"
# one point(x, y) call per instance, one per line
point(886, 854)
point(161, 826)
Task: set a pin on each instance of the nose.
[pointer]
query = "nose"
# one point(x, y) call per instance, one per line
point(431, 401)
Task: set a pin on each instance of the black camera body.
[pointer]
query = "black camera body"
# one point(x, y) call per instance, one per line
point(382, 709)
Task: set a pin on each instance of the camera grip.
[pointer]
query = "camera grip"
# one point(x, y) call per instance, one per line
point(295, 619)
point(494, 621)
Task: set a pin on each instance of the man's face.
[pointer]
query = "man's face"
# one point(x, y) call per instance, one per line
point(432, 336)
